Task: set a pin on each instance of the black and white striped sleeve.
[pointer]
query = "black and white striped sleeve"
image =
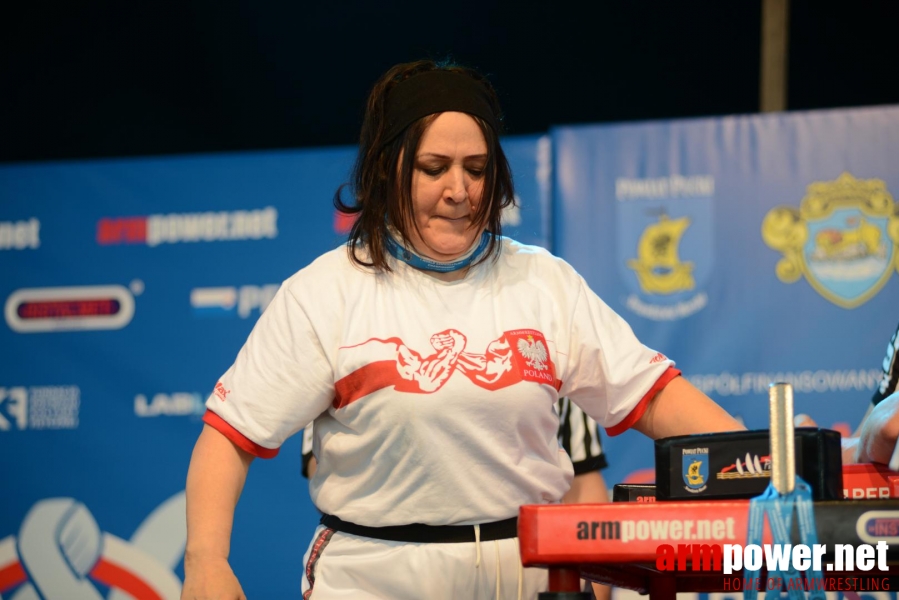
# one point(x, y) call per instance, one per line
point(890, 370)
point(579, 436)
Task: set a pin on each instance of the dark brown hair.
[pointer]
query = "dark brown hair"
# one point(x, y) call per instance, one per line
point(382, 192)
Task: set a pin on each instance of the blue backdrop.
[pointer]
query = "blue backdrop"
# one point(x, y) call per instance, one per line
point(749, 249)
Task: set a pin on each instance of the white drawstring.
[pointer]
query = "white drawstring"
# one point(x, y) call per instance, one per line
point(477, 543)
point(477, 564)
point(496, 553)
point(520, 579)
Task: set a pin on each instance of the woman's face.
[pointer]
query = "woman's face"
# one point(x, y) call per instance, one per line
point(447, 185)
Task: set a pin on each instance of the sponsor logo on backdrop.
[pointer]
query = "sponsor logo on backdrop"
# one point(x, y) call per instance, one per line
point(242, 301)
point(39, 407)
point(89, 307)
point(661, 188)
point(20, 235)
point(179, 228)
point(695, 467)
point(807, 382)
point(175, 404)
point(60, 553)
point(664, 243)
point(844, 239)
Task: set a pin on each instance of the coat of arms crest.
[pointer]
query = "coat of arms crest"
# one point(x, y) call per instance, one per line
point(844, 239)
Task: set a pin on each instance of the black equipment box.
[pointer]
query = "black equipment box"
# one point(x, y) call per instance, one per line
point(634, 492)
point(737, 464)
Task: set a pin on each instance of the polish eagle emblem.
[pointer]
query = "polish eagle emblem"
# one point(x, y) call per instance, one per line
point(534, 352)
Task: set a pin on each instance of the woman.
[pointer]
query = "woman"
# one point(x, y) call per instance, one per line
point(430, 353)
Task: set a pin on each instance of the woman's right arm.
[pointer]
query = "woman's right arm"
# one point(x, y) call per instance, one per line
point(215, 480)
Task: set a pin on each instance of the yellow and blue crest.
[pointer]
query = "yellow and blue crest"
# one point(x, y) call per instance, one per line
point(695, 469)
point(664, 245)
point(844, 239)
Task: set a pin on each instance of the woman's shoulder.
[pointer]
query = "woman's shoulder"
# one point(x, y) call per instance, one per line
point(534, 259)
point(328, 269)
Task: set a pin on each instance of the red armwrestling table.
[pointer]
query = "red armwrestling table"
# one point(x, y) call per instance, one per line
point(617, 543)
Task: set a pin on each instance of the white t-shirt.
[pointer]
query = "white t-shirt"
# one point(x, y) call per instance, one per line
point(578, 436)
point(434, 401)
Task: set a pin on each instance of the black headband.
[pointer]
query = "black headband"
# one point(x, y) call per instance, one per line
point(435, 92)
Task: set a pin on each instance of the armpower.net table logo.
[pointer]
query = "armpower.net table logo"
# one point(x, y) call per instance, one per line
point(841, 571)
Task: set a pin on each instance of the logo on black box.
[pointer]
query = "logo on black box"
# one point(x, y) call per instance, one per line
point(751, 467)
point(695, 469)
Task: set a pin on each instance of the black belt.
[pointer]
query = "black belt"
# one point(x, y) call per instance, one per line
point(427, 534)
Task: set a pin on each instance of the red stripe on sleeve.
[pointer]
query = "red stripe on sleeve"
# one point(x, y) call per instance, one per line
point(638, 410)
point(236, 437)
point(116, 577)
point(11, 576)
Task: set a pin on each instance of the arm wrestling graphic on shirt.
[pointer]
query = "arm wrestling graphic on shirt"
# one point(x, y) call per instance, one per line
point(391, 362)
